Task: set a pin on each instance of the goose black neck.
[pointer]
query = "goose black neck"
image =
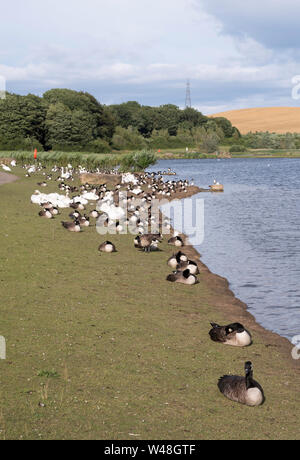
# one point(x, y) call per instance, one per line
point(249, 379)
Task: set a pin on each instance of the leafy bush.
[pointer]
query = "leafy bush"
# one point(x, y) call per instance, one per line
point(127, 139)
point(98, 146)
point(237, 148)
point(209, 142)
point(137, 162)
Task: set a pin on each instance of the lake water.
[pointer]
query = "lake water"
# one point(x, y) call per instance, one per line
point(252, 232)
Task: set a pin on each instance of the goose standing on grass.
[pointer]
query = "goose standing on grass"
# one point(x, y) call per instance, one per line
point(108, 247)
point(184, 277)
point(147, 242)
point(54, 211)
point(234, 334)
point(244, 390)
point(94, 214)
point(77, 206)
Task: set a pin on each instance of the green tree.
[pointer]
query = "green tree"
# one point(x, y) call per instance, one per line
point(21, 117)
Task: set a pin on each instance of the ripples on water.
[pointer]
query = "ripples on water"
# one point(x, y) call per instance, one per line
point(252, 232)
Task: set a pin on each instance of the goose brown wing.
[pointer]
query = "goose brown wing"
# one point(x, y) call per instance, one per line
point(233, 387)
point(218, 334)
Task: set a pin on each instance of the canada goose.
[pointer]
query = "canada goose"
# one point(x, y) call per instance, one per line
point(47, 205)
point(244, 390)
point(108, 247)
point(184, 277)
point(78, 206)
point(46, 213)
point(234, 334)
point(176, 241)
point(72, 226)
point(147, 242)
point(190, 265)
point(75, 215)
point(84, 221)
point(176, 259)
point(95, 214)
point(54, 211)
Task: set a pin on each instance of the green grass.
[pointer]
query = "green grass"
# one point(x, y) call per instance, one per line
point(102, 159)
point(130, 352)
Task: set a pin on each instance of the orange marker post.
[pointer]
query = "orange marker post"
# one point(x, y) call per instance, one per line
point(35, 154)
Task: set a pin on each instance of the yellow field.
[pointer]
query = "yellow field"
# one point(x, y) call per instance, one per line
point(273, 119)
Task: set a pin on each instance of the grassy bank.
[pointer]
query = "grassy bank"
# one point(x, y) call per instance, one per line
point(112, 350)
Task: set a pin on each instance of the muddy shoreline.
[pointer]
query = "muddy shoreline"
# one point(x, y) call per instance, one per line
point(7, 178)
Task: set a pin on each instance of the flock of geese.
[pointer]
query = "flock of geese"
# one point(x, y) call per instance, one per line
point(141, 190)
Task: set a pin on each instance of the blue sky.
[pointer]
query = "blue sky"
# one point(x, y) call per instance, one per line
point(236, 54)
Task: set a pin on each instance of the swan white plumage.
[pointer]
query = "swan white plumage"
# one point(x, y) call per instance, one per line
point(113, 212)
point(129, 178)
point(6, 168)
point(80, 199)
point(59, 201)
point(91, 196)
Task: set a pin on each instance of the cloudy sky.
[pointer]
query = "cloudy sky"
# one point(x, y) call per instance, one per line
point(235, 54)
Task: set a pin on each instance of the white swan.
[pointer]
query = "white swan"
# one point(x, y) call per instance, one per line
point(6, 168)
point(59, 201)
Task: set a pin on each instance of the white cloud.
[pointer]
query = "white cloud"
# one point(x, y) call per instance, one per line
point(146, 49)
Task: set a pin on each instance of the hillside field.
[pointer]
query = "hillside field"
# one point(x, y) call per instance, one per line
point(273, 119)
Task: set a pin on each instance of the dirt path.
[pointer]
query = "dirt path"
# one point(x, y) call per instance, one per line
point(6, 178)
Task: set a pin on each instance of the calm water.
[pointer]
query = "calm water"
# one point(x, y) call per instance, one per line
point(252, 232)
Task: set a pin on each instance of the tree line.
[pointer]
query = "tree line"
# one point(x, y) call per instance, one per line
point(68, 120)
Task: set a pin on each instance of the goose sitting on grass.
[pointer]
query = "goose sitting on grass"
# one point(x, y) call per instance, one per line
point(234, 334)
point(46, 213)
point(190, 265)
point(176, 259)
point(244, 390)
point(176, 241)
point(54, 211)
point(184, 277)
point(107, 247)
point(72, 226)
